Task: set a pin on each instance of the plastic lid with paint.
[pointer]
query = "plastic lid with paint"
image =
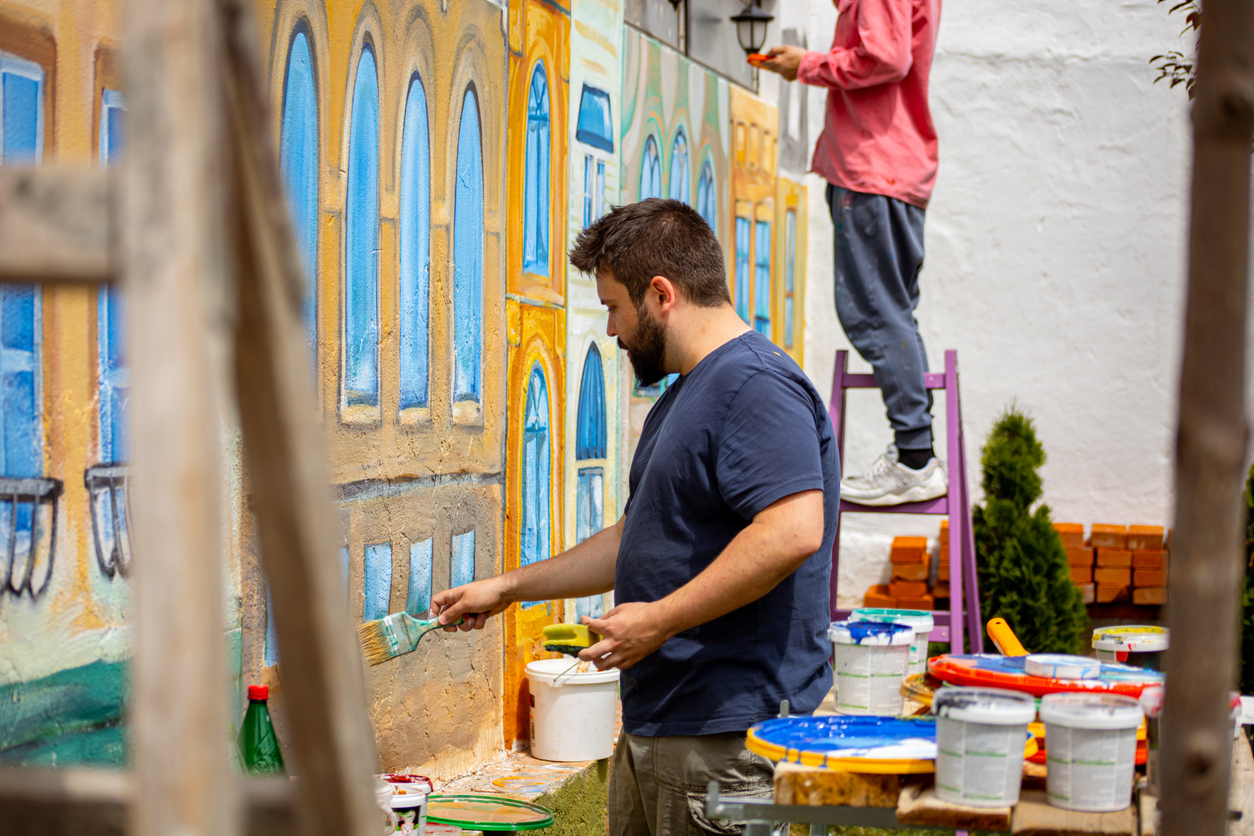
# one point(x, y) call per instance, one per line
point(1078, 710)
point(870, 633)
point(917, 620)
point(1146, 638)
point(1061, 666)
point(989, 706)
point(405, 796)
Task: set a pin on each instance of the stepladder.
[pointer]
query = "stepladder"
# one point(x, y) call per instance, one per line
point(963, 613)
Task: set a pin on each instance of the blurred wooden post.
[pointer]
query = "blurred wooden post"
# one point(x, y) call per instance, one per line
point(175, 262)
point(1206, 548)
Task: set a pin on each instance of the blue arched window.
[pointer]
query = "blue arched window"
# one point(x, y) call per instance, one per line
point(415, 246)
point(591, 416)
point(650, 170)
point(536, 470)
point(361, 292)
point(468, 255)
point(536, 195)
point(298, 162)
point(681, 176)
point(762, 278)
point(742, 268)
point(113, 379)
point(707, 202)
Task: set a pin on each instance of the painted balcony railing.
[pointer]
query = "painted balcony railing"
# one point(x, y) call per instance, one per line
point(28, 526)
point(108, 490)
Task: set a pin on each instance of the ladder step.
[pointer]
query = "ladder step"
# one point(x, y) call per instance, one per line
point(939, 505)
point(932, 380)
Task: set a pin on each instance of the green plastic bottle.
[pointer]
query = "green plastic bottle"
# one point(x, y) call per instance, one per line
point(258, 745)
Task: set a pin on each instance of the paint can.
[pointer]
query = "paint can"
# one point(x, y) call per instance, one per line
point(920, 621)
point(572, 712)
point(1061, 666)
point(1091, 740)
point(980, 734)
point(409, 803)
point(383, 798)
point(871, 661)
point(1141, 645)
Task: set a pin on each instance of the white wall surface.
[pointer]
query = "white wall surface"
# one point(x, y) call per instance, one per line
point(1055, 254)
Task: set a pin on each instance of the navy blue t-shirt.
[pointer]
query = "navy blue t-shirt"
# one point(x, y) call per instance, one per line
point(743, 429)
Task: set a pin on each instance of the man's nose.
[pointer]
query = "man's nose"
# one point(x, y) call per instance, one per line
point(610, 329)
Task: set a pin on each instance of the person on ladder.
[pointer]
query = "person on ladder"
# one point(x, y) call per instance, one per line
point(878, 153)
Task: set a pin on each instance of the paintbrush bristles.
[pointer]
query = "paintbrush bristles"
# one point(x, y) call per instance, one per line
point(374, 642)
point(394, 635)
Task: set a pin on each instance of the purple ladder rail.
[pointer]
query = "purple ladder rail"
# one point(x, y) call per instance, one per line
point(963, 583)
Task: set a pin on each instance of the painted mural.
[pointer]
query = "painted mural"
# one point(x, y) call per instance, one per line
point(440, 157)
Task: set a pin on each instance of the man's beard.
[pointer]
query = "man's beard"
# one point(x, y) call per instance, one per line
point(648, 350)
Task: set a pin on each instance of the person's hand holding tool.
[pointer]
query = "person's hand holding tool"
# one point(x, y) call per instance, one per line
point(783, 60)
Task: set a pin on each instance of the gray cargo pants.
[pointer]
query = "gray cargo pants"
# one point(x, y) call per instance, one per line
point(878, 256)
point(658, 784)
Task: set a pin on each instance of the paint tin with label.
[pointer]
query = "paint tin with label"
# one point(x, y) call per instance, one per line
point(979, 743)
point(1140, 645)
point(920, 621)
point(871, 661)
point(409, 803)
point(1091, 740)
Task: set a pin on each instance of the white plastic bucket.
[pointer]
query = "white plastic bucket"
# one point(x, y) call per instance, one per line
point(871, 659)
point(1141, 645)
point(409, 803)
point(920, 621)
point(572, 713)
point(1090, 740)
point(980, 736)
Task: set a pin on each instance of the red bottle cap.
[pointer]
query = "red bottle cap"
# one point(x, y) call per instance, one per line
point(258, 692)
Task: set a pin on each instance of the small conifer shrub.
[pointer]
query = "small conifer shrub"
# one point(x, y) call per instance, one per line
point(1021, 561)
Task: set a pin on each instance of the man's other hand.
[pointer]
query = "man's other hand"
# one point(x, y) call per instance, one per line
point(474, 601)
point(783, 60)
point(630, 632)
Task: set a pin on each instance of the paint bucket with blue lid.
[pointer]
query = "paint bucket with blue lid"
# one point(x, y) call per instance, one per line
point(1061, 666)
point(979, 744)
point(871, 661)
point(920, 621)
point(1140, 645)
point(1091, 741)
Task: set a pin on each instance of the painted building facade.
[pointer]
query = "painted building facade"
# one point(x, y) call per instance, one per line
point(440, 158)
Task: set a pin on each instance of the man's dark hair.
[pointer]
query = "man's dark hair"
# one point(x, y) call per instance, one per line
point(656, 237)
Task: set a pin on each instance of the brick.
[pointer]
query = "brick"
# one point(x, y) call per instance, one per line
point(1145, 536)
point(1081, 574)
point(942, 571)
point(877, 596)
point(1112, 575)
point(1088, 593)
point(907, 589)
point(1114, 557)
point(1108, 536)
point(1109, 593)
point(911, 571)
point(1149, 577)
point(1072, 534)
point(1149, 559)
point(908, 550)
point(941, 590)
point(917, 602)
point(1079, 556)
point(1157, 595)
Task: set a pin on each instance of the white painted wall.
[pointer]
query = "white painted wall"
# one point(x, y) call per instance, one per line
point(1055, 253)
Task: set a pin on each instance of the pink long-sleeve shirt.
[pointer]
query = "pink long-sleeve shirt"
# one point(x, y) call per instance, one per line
point(878, 136)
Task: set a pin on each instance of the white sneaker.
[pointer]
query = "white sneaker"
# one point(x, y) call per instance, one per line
point(891, 483)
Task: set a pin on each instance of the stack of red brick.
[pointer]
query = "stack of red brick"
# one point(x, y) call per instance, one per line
point(912, 569)
point(1117, 563)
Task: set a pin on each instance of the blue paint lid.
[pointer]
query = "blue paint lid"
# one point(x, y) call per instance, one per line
point(917, 620)
point(870, 633)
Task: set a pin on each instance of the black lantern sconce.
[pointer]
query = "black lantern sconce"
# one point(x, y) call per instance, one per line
point(751, 27)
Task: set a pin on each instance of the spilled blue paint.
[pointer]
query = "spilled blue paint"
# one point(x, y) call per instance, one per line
point(415, 246)
point(378, 581)
point(298, 163)
point(418, 601)
point(361, 292)
point(468, 255)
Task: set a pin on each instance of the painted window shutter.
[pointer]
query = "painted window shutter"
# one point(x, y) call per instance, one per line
point(415, 247)
point(468, 255)
point(361, 303)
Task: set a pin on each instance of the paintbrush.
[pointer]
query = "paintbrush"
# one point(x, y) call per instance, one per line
point(394, 635)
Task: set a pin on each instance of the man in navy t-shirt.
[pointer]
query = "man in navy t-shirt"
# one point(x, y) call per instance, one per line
point(720, 564)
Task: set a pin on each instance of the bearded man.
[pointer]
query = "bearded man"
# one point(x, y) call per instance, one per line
point(720, 563)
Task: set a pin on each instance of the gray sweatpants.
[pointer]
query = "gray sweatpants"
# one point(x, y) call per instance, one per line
point(878, 256)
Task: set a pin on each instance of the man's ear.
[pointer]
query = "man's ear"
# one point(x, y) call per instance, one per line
point(664, 293)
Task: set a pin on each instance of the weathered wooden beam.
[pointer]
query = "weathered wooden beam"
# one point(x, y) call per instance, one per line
point(56, 224)
point(1206, 560)
point(96, 802)
point(174, 244)
point(332, 738)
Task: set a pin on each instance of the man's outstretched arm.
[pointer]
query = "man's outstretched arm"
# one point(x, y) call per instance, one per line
point(774, 545)
point(587, 569)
